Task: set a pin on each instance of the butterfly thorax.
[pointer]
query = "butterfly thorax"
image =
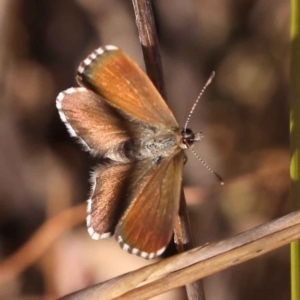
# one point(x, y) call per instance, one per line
point(155, 146)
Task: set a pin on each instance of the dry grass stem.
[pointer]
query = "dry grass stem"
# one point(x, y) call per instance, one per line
point(200, 262)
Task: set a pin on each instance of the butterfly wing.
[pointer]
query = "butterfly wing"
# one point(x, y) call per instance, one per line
point(107, 202)
point(117, 78)
point(148, 192)
point(92, 121)
point(147, 225)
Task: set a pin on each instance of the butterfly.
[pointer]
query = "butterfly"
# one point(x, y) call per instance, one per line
point(119, 117)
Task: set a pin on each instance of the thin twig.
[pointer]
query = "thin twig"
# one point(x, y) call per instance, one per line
point(294, 140)
point(148, 37)
point(149, 41)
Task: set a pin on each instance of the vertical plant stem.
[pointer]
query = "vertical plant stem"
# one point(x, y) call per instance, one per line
point(148, 37)
point(295, 140)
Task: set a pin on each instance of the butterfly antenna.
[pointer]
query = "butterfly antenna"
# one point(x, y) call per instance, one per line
point(208, 167)
point(199, 97)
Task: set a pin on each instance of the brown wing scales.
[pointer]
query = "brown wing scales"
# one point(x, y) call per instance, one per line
point(125, 86)
point(98, 126)
point(147, 225)
point(108, 198)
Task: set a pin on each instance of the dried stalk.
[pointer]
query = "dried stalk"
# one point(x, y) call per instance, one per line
point(197, 263)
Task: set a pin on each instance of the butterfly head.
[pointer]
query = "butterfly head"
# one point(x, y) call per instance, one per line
point(189, 137)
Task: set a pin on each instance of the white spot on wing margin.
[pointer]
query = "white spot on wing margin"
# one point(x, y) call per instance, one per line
point(93, 56)
point(138, 252)
point(89, 206)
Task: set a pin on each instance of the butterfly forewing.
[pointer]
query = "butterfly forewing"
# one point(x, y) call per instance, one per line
point(147, 225)
point(125, 86)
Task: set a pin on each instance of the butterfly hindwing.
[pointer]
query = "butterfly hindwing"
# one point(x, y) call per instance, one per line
point(89, 118)
point(108, 200)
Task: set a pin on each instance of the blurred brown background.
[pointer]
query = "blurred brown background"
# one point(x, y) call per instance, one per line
point(243, 115)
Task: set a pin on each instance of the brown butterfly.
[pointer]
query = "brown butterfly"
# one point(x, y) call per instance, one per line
point(119, 117)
